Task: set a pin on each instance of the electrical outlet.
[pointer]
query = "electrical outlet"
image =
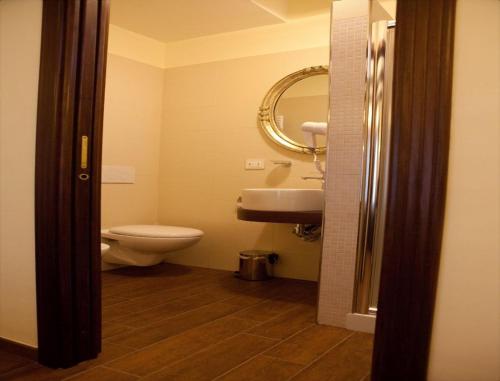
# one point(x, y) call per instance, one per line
point(254, 164)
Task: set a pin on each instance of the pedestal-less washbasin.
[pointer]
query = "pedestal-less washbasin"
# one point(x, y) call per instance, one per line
point(282, 199)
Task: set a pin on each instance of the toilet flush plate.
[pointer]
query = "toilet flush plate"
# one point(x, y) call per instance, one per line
point(118, 174)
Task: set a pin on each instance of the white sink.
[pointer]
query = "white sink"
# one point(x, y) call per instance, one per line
point(282, 199)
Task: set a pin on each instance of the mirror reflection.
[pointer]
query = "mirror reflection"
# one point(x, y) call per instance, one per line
point(305, 101)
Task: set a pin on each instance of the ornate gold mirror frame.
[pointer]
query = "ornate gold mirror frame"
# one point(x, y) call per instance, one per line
point(268, 106)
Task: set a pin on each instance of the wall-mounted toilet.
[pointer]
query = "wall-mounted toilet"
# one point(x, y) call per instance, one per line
point(104, 248)
point(146, 245)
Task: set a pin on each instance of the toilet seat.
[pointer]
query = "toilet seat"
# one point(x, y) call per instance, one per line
point(148, 243)
point(156, 231)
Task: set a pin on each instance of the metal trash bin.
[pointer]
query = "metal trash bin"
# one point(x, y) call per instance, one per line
point(256, 264)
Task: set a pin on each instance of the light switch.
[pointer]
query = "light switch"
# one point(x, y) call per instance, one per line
point(254, 164)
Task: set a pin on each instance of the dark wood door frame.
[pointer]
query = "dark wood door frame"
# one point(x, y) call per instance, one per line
point(71, 100)
point(417, 187)
point(67, 197)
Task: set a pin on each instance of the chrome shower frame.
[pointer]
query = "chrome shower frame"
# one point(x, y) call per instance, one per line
point(376, 143)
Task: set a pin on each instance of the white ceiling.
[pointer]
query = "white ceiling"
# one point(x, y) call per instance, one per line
point(296, 9)
point(174, 20)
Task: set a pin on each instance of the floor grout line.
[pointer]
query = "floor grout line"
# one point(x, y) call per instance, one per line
point(225, 339)
point(203, 282)
point(260, 323)
point(96, 367)
point(120, 371)
point(117, 319)
point(204, 324)
point(322, 355)
point(14, 371)
point(194, 354)
point(177, 315)
point(180, 333)
point(280, 341)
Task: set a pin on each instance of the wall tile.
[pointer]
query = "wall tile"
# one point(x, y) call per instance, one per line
point(348, 68)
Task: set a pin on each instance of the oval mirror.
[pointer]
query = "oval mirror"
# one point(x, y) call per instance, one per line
point(295, 102)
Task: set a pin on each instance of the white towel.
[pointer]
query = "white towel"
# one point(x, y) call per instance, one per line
point(310, 130)
point(318, 128)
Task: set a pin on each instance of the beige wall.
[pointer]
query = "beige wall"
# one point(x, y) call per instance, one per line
point(20, 30)
point(209, 129)
point(132, 123)
point(466, 333)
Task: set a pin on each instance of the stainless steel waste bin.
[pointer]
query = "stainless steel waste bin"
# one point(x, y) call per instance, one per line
point(256, 264)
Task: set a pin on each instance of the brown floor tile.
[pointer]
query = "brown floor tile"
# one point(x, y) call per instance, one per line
point(146, 281)
point(262, 368)
point(308, 345)
point(112, 329)
point(171, 322)
point(110, 300)
point(37, 372)
point(162, 312)
point(140, 304)
point(246, 293)
point(244, 300)
point(349, 361)
point(109, 352)
point(102, 374)
point(157, 356)
point(31, 373)
point(175, 325)
point(10, 361)
point(296, 291)
point(266, 310)
point(287, 324)
point(215, 360)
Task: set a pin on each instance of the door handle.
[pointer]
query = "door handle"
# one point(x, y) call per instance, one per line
point(84, 158)
point(84, 152)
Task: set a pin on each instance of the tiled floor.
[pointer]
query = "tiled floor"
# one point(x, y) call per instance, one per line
point(190, 324)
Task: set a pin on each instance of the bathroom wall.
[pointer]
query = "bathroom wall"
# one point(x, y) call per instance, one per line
point(210, 128)
point(132, 124)
point(466, 333)
point(20, 32)
point(212, 89)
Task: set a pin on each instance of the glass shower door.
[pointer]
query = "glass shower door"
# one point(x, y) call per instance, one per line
point(375, 167)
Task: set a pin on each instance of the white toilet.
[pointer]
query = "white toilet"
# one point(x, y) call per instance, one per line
point(104, 248)
point(145, 245)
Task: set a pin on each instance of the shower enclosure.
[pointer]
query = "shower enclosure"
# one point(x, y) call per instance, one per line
point(375, 167)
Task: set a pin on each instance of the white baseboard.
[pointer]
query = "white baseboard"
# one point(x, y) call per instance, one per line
point(360, 322)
